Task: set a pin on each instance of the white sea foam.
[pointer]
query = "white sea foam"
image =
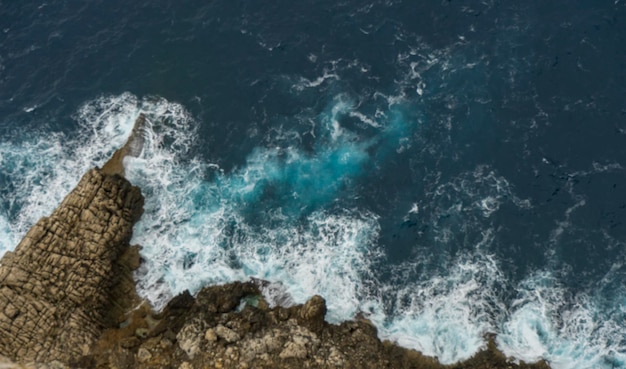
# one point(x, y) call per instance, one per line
point(197, 231)
point(6, 236)
point(365, 119)
point(202, 226)
point(41, 170)
point(306, 83)
point(448, 314)
point(568, 331)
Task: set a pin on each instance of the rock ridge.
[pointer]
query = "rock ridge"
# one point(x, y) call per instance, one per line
point(232, 326)
point(56, 287)
point(70, 276)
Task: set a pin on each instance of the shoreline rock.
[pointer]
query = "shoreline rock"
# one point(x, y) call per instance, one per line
point(68, 299)
point(57, 287)
point(70, 276)
point(231, 326)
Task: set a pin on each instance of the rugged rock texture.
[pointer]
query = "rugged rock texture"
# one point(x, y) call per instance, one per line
point(231, 326)
point(70, 277)
point(56, 287)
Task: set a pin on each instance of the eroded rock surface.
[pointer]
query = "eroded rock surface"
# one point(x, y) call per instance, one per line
point(231, 326)
point(55, 288)
point(70, 277)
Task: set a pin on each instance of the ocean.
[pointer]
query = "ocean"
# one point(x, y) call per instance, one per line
point(450, 169)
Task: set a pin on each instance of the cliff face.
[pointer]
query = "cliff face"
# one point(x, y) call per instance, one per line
point(70, 277)
point(55, 288)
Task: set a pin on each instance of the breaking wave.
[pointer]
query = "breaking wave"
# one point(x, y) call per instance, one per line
point(288, 215)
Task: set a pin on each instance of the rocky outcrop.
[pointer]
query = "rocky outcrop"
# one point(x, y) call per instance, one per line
point(232, 326)
point(60, 288)
point(132, 147)
point(67, 299)
point(55, 288)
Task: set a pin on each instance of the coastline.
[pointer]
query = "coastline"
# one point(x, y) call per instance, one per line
point(68, 300)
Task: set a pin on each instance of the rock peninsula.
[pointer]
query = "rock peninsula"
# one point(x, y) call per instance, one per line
point(67, 300)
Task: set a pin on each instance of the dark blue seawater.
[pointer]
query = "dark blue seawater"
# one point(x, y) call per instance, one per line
point(449, 168)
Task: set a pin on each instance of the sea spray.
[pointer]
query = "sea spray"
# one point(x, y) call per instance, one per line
point(446, 314)
point(274, 218)
point(547, 322)
point(267, 219)
point(38, 171)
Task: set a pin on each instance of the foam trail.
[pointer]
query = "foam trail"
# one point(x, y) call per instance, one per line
point(446, 315)
point(546, 323)
point(267, 219)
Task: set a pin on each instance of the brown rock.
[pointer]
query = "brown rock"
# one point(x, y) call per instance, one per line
point(61, 274)
point(143, 355)
point(208, 335)
point(227, 334)
point(313, 312)
point(59, 287)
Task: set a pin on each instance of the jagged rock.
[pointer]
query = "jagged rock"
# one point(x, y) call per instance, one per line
point(121, 359)
point(210, 335)
point(313, 312)
point(58, 288)
point(190, 338)
point(143, 355)
point(293, 350)
point(55, 288)
point(255, 337)
point(142, 332)
point(335, 357)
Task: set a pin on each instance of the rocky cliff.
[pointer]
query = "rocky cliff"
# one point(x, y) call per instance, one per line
point(67, 299)
point(56, 287)
point(62, 286)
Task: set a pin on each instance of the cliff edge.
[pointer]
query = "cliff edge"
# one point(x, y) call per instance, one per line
point(61, 287)
point(232, 327)
point(56, 287)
